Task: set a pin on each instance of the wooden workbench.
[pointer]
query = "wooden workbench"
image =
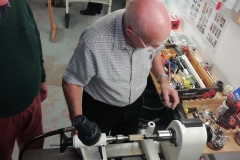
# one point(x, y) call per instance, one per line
point(212, 104)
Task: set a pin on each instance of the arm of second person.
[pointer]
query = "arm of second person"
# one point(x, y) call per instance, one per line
point(73, 96)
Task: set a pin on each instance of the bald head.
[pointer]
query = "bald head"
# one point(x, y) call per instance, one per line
point(148, 19)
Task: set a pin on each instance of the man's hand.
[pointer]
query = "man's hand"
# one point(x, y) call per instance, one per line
point(43, 91)
point(170, 95)
point(75, 132)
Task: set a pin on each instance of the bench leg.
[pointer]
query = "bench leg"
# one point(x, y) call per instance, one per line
point(67, 19)
point(109, 6)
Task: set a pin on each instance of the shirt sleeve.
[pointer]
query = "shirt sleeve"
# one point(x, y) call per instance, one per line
point(158, 50)
point(82, 66)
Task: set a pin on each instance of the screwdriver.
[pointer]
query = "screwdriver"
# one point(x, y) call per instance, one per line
point(190, 110)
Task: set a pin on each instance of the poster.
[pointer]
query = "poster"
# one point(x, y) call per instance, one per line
point(204, 18)
point(216, 29)
point(186, 6)
point(195, 10)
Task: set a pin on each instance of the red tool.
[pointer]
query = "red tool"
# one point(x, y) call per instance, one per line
point(226, 119)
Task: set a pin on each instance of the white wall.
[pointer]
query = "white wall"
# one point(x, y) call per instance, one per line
point(226, 58)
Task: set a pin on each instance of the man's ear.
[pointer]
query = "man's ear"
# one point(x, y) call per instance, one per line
point(129, 32)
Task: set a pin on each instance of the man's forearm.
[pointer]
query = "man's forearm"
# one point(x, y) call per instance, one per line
point(73, 95)
point(158, 69)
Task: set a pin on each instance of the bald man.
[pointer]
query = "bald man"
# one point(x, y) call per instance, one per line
point(108, 72)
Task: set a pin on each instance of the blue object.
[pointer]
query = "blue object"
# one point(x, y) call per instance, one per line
point(173, 65)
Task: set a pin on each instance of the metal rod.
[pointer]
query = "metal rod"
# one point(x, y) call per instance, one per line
point(68, 129)
point(118, 138)
point(150, 136)
point(164, 135)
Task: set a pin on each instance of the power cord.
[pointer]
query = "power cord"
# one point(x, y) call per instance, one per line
point(48, 134)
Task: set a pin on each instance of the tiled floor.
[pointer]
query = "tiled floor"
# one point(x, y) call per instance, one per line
point(57, 56)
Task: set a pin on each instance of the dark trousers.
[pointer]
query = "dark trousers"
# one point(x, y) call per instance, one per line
point(120, 120)
point(93, 7)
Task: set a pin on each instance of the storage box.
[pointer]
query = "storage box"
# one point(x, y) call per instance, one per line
point(168, 53)
point(209, 91)
point(199, 93)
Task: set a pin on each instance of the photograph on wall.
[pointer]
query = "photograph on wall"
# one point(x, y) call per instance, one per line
point(204, 18)
point(216, 29)
point(195, 10)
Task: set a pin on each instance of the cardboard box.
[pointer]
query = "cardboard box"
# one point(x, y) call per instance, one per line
point(235, 94)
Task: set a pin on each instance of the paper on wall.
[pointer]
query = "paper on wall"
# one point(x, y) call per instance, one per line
point(204, 18)
point(195, 11)
point(216, 29)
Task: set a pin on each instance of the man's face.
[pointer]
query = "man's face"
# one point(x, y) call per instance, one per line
point(144, 42)
point(150, 38)
point(3, 2)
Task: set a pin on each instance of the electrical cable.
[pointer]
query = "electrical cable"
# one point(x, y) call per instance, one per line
point(48, 134)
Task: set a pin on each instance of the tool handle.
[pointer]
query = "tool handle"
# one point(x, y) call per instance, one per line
point(190, 110)
point(50, 14)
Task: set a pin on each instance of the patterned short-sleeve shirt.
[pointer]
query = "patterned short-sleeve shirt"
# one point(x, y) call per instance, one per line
point(110, 70)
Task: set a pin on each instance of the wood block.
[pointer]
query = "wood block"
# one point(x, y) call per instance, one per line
point(136, 137)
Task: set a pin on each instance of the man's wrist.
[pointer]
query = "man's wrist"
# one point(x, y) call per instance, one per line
point(162, 77)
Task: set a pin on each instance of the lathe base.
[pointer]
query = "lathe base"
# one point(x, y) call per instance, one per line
point(113, 151)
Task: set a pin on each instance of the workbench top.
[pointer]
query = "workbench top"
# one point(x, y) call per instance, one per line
point(231, 145)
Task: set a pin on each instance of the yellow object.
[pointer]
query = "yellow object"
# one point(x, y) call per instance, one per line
point(189, 110)
point(177, 78)
point(185, 110)
point(187, 83)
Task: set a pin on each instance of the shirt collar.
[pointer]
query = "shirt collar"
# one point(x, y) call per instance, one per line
point(119, 40)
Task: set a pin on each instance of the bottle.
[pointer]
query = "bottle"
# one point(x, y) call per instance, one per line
point(183, 44)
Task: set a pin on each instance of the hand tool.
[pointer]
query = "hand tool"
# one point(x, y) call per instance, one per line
point(190, 110)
